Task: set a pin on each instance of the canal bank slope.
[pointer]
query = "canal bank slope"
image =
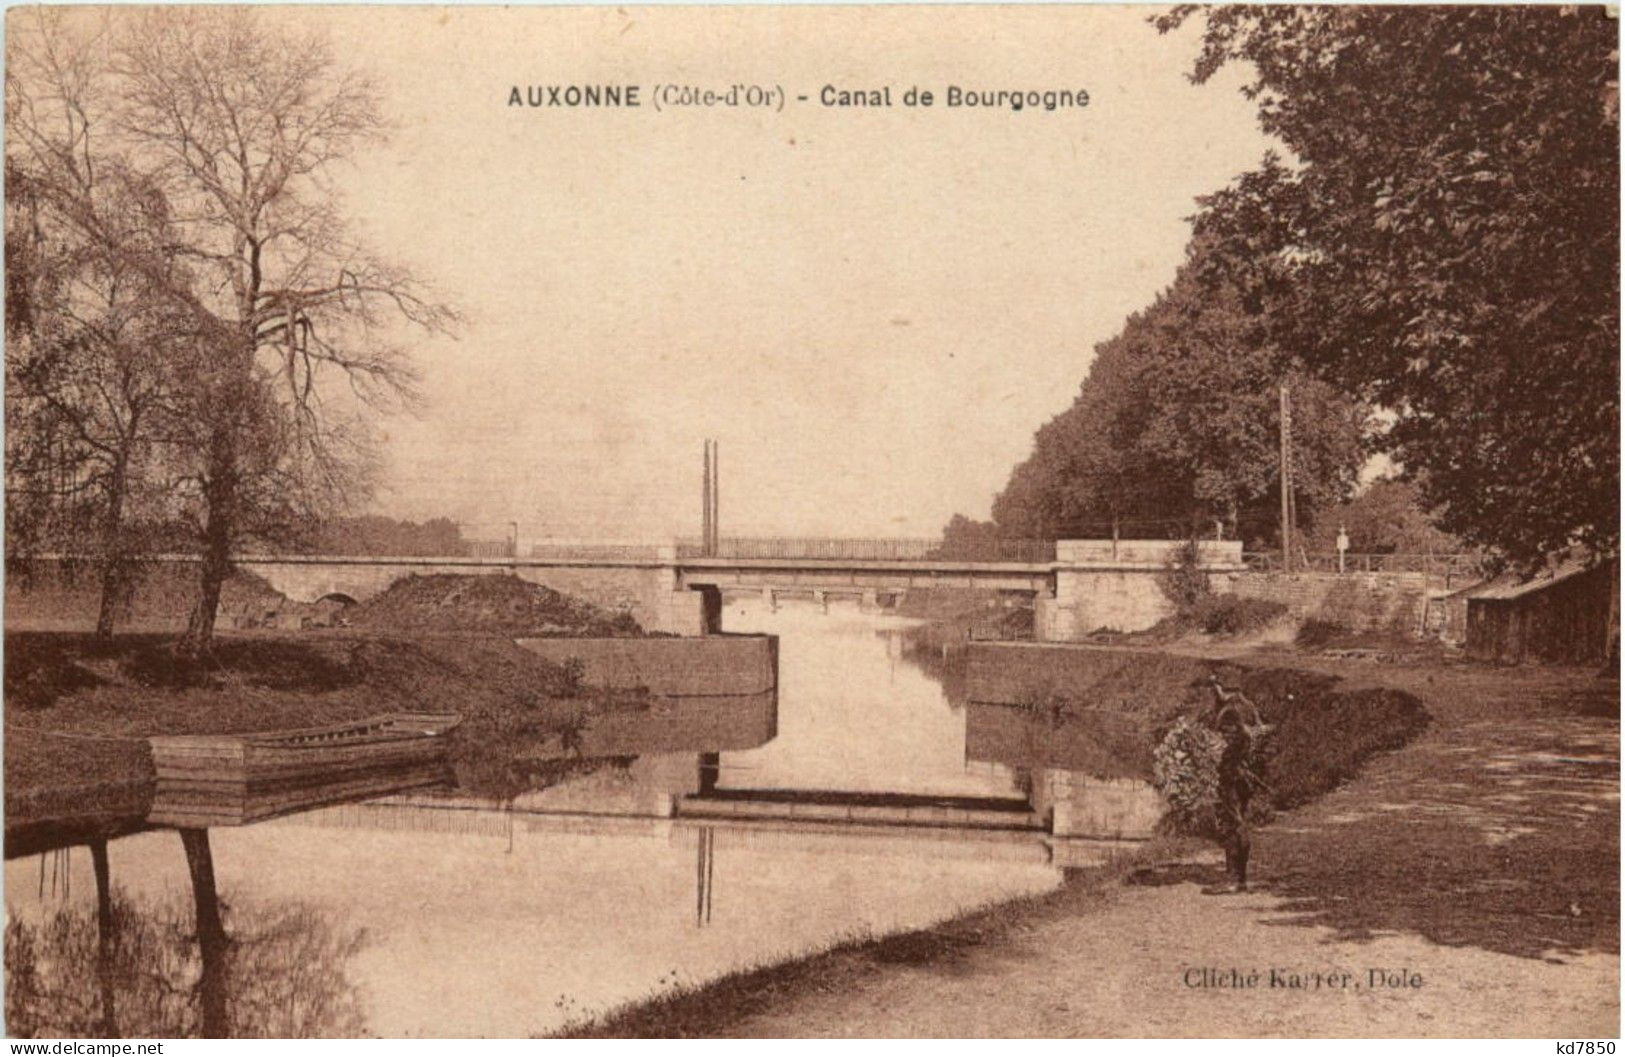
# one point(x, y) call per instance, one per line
point(79, 709)
point(1483, 856)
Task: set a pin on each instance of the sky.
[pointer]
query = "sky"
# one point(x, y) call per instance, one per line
point(871, 310)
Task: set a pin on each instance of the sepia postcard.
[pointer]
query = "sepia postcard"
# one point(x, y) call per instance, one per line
point(923, 521)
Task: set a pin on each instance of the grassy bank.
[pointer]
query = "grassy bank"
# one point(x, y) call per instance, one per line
point(78, 709)
point(1324, 729)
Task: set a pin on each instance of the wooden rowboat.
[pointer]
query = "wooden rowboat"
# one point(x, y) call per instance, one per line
point(316, 754)
point(205, 804)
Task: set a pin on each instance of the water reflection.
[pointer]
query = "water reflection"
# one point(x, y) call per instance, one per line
point(857, 716)
point(160, 965)
point(671, 845)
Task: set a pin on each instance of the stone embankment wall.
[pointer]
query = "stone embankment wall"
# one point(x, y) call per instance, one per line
point(713, 666)
point(1357, 601)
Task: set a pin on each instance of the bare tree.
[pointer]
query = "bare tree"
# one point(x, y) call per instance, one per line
point(87, 330)
point(237, 128)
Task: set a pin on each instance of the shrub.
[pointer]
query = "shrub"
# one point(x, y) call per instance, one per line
point(1316, 632)
point(1219, 614)
point(1183, 580)
point(572, 673)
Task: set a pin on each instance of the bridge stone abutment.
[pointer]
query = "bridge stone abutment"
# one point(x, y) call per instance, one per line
point(1102, 584)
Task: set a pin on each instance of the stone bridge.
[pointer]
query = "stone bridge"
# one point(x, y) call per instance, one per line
point(1089, 584)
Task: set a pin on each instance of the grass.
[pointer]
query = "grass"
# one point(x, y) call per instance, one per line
point(1324, 732)
point(1220, 615)
point(1325, 729)
point(81, 709)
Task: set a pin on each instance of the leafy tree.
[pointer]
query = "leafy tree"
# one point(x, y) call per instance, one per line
point(967, 536)
point(1177, 426)
point(1444, 242)
point(1388, 516)
point(373, 534)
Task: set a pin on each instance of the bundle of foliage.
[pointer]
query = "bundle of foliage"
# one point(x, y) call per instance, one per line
point(1185, 770)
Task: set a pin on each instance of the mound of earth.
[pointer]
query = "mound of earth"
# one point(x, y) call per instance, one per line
point(491, 603)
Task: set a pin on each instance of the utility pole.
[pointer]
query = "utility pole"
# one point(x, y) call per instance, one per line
point(705, 504)
point(710, 537)
point(716, 500)
point(1286, 480)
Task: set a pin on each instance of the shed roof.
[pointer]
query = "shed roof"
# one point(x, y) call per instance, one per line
point(1513, 585)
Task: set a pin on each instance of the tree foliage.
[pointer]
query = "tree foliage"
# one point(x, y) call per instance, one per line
point(1388, 516)
point(1178, 425)
point(373, 534)
point(1443, 242)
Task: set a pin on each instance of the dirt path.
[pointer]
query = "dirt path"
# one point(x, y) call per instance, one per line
point(1484, 857)
point(1122, 973)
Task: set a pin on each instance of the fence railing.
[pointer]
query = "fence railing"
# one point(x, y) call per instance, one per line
point(487, 548)
point(1030, 552)
point(596, 551)
point(1451, 568)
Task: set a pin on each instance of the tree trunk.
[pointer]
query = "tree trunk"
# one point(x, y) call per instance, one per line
point(211, 932)
point(220, 495)
point(1610, 643)
point(115, 562)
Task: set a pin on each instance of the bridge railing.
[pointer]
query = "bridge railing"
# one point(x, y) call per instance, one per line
point(1453, 569)
point(1032, 552)
point(595, 551)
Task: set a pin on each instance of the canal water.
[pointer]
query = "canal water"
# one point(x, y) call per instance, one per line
point(431, 914)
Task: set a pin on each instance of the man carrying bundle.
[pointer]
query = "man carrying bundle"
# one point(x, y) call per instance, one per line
point(1238, 722)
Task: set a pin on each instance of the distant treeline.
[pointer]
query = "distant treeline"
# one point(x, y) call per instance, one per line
point(375, 535)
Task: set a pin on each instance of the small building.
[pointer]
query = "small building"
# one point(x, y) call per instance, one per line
point(1560, 616)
